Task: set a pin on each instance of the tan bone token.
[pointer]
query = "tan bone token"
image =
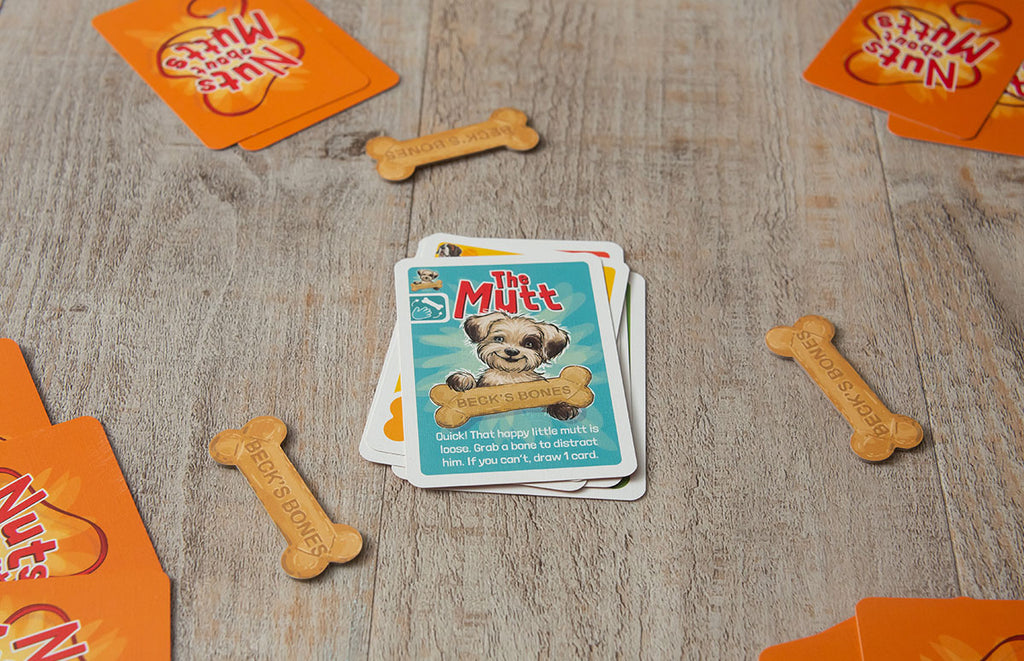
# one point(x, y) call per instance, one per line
point(876, 430)
point(456, 408)
point(314, 541)
point(398, 160)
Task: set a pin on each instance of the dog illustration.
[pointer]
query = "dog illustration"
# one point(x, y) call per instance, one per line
point(512, 348)
point(425, 276)
point(448, 250)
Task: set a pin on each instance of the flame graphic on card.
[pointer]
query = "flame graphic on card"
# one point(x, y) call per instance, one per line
point(934, 47)
point(39, 539)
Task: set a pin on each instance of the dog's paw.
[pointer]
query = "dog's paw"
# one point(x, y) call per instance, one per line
point(461, 381)
point(562, 411)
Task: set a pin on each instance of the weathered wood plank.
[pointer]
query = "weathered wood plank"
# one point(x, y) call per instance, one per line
point(959, 225)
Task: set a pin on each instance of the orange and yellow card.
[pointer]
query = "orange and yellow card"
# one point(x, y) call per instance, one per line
point(942, 68)
point(920, 629)
point(1003, 131)
point(244, 71)
point(79, 577)
point(87, 617)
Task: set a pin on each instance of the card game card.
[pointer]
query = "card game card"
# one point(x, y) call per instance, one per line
point(65, 509)
point(839, 643)
point(21, 409)
point(982, 629)
point(1002, 133)
point(942, 63)
point(231, 71)
point(381, 78)
point(127, 616)
point(509, 372)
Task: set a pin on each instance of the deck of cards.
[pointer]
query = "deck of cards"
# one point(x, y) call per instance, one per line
point(901, 629)
point(516, 366)
point(78, 575)
point(245, 72)
point(946, 71)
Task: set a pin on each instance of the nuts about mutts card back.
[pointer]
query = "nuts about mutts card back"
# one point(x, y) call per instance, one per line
point(510, 372)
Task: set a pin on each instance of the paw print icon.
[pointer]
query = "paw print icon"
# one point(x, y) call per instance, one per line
point(428, 308)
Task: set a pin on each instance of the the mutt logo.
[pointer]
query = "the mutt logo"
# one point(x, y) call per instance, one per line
point(240, 59)
point(910, 45)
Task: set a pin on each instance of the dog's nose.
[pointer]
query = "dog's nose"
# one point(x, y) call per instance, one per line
point(511, 352)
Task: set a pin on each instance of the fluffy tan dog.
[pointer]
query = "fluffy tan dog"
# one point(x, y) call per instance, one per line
point(512, 348)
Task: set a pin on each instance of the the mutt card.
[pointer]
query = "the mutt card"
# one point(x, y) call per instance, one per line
point(509, 372)
point(941, 64)
point(976, 629)
point(21, 409)
point(920, 629)
point(237, 70)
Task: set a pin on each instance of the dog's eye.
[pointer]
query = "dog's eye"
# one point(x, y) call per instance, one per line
point(530, 344)
point(499, 338)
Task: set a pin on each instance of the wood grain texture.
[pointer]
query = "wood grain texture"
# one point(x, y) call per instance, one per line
point(173, 292)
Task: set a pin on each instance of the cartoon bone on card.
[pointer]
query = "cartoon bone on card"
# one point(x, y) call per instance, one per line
point(513, 348)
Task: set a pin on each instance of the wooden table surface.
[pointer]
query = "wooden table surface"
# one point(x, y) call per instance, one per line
point(172, 292)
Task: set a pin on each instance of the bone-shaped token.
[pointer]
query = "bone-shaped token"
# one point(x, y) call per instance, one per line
point(876, 430)
point(398, 160)
point(456, 408)
point(314, 541)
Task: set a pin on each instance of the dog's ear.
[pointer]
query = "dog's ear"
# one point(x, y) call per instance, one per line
point(555, 340)
point(476, 327)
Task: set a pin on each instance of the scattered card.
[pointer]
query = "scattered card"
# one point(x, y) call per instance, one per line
point(896, 629)
point(514, 422)
point(21, 409)
point(127, 616)
point(1002, 133)
point(381, 78)
point(249, 70)
point(941, 64)
point(65, 509)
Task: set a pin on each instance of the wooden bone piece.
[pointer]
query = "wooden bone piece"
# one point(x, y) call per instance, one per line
point(876, 430)
point(456, 408)
point(397, 160)
point(314, 541)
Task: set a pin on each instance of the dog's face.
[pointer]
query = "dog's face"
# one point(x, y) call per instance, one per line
point(514, 344)
point(426, 275)
point(448, 250)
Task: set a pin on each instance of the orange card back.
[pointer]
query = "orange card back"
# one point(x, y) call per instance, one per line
point(942, 63)
point(1003, 131)
point(65, 509)
point(229, 72)
point(381, 78)
point(941, 629)
point(87, 617)
point(836, 644)
point(21, 409)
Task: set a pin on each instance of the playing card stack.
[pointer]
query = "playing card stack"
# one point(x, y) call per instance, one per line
point(78, 575)
point(516, 367)
point(247, 72)
point(903, 629)
point(946, 71)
